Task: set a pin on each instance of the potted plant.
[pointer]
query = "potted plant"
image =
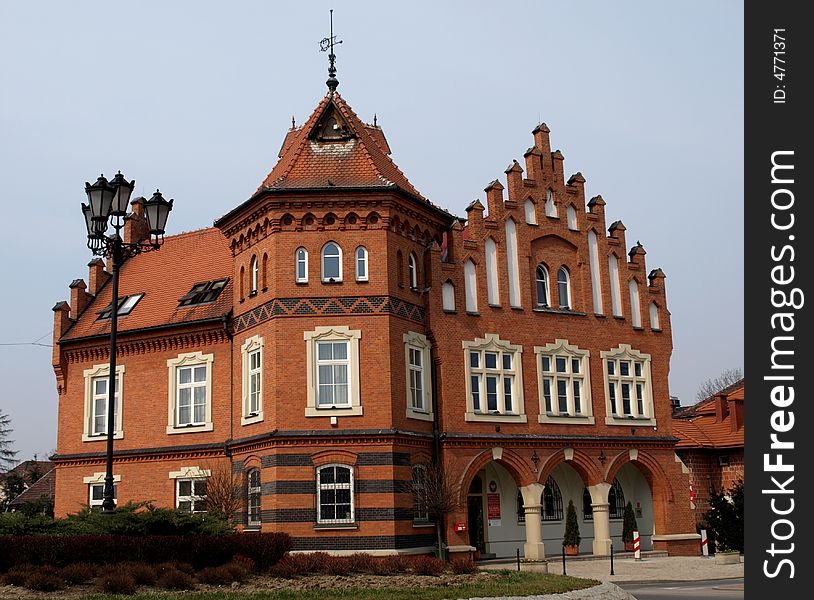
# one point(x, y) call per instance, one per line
point(571, 538)
point(629, 525)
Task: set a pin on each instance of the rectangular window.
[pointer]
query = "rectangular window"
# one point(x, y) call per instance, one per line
point(253, 493)
point(491, 360)
point(562, 396)
point(626, 399)
point(416, 378)
point(546, 364)
point(126, 305)
point(191, 395)
point(190, 494)
point(97, 494)
point(254, 382)
point(547, 395)
point(203, 292)
point(640, 399)
point(507, 362)
point(335, 495)
point(333, 367)
point(491, 393)
point(507, 394)
point(474, 381)
point(492, 373)
point(624, 368)
point(560, 362)
point(474, 360)
point(564, 375)
point(577, 397)
point(99, 404)
point(612, 395)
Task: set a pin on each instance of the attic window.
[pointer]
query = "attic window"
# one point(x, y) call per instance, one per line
point(126, 305)
point(203, 292)
point(332, 129)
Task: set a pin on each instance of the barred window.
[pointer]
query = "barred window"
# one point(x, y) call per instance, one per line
point(551, 501)
point(616, 500)
point(253, 495)
point(335, 494)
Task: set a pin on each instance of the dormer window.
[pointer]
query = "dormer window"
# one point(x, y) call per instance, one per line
point(126, 305)
point(203, 292)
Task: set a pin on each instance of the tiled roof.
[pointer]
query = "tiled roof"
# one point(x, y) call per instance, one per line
point(361, 159)
point(698, 426)
point(44, 486)
point(25, 467)
point(164, 277)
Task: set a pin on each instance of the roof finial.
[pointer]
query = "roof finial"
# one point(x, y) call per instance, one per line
point(374, 119)
point(327, 45)
point(293, 122)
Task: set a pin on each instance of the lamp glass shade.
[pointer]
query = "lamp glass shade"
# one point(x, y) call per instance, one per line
point(88, 220)
point(100, 198)
point(121, 195)
point(157, 211)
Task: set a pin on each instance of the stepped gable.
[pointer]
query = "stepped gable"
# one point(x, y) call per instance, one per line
point(164, 277)
point(334, 148)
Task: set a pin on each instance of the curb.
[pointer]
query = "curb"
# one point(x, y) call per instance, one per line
point(662, 581)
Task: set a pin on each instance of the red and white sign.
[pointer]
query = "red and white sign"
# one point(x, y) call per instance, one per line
point(692, 497)
point(460, 526)
point(704, 543)
point(637, 549)
point(493, 509)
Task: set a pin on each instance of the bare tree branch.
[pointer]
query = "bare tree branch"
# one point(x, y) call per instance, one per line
point(712, 386)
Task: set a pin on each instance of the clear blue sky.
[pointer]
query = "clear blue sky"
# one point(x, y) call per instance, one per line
point(644, 98)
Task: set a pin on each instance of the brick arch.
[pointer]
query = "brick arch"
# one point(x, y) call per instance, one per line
point(660, 488)
point(509, 460)
point(328, 457)
point(581, 463)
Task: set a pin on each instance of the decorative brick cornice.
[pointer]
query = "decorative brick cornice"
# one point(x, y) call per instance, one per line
point(342, 305)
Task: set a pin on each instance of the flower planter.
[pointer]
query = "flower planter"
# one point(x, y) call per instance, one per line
point(534, 566)
point(727, 558)
point(571, 550)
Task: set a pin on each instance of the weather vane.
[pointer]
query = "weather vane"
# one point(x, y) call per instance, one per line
point(327, 45)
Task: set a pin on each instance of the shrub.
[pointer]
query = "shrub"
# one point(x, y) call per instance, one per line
point(173, 579)
point(77, 573)
point(215, 575)
point(117, 581)
point(17, 575)
point(427, 565)
point(44, 579)
point(463, 566)
point(336, 565)
point(571, 537)
point(725, 518)
point(295, 565)
point(361, 563)
point(142, 573)
point(238, 570)
point(629, 524)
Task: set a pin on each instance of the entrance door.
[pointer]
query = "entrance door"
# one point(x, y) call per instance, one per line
point(474, 506)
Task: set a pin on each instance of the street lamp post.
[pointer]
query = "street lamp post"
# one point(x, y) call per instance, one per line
point(107, 206)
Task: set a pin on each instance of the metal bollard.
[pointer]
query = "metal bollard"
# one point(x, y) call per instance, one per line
point(563, 560)
point(518, 560)
point(612, 573)
point(637, 548)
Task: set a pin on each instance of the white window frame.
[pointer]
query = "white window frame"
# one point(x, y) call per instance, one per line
point(322, 263)
point(188, 359)
point(418, 343)
point(90, 375)
point(471, 287)
point(419, 480)
point(335, 486)
point(491, 343)
point(252, 345)
point(330, 334)
point(363, 260)
point(562, 349)
point(98, 480)
point(448, 296)
point(547, 281)
point(250, 491)
point(568, 304)
point(189, 474)
point(530, 212)
point(254, 270)
point(301, 260)
point(655, 323)
point(412, 271)
point(645, 416)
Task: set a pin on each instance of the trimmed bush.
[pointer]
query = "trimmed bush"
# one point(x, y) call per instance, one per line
point(44, 579)
point(142, 573)
point(336, 565)
point(427, 565)
point(361, 563)
point(174, 579)
point(244, 561)
point(238, 570)
point(215, 575)
point(17, 575)
point(78, 573)
point(117, 581)
point(463, 566)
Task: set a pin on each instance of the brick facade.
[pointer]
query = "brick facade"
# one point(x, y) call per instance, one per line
point(336, 183)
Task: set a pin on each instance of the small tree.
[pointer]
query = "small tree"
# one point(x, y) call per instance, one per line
point(571, 537)
point(712, 386)
point(433, 494)
point(629, 525)
point(7, 455)
point(224, 491)
point(725, 518)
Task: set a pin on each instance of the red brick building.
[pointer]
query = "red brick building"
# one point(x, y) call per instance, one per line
point(711, 443)
point(337, 329)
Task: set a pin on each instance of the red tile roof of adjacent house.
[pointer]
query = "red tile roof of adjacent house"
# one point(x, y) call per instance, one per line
point(708, 425)
point(44, 486)
point(164, 276)
point(360, 159)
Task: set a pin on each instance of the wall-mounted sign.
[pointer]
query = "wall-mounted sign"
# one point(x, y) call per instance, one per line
point(638, 510)
point(493, 509)
point(493, 486)
point(460, 526)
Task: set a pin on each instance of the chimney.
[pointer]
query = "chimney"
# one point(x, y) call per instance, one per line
point(557, 159)
point(494, 199)
point(735, 408)
point(79, 297)
point(675, 403)
point(97, 276)
point(721, 408)
point(542, 141)
point(62, 321)
point(617, 232)
point(135, 227)
point(514, 181)
point(636, 255)
point(474, 216)
point(577, 181)
point(534, 164)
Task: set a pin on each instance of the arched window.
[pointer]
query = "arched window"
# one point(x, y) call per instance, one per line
point(242, 282)
point(616, 292)
point(531, 212)
point(253, 496)
point(563, 288)
point(331, 262)
point(543, 297)
point(492, 291)
point(265, 271)
point(635, 307)
point(255, 275)
point(471, 285)
point(550, 207)
point(571, 214)
point(587, 509)
point(654, 316)
point(551, 509)
point(412, 271)
point(335, 494)
point(301, 265)
point(420, 494)
point(616, 500)
point(361, 263)
point(448, 296)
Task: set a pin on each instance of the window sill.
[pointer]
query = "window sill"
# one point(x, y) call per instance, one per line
point(301, 282)
point(335, 526)
point(423, 524)
point(656, 330)
point(171, 429)
point(495, 418)
point(494, 305)
point(252, 294)
point(619, 317)
point(566, 419)
point(473, 314)
point(600, 316)
point(419, 414)
point(450, 312)
point(638, 328)
point(328, 411)
point(101, 437)
point(250, 420)
point(331, 281)
point(560, 311)
point(254, 527)
point(631, 421)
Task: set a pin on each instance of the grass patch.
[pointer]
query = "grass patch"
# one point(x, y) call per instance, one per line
point(508, 583)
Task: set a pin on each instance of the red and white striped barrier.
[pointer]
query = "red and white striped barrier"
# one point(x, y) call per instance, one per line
point(704, 544)
point(637, 549)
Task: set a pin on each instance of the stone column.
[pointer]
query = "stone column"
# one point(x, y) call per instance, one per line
point(533, 548)
point(600, 509)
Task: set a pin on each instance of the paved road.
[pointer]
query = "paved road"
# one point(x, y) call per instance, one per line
point(729, 589)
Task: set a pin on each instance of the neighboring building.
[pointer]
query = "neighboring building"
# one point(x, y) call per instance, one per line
point(711, 443)
point(41, 492)
point(336, 330)
point(28, 472)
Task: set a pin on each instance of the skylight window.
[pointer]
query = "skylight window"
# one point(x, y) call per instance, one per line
point(126, 306)
point(203, 292)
